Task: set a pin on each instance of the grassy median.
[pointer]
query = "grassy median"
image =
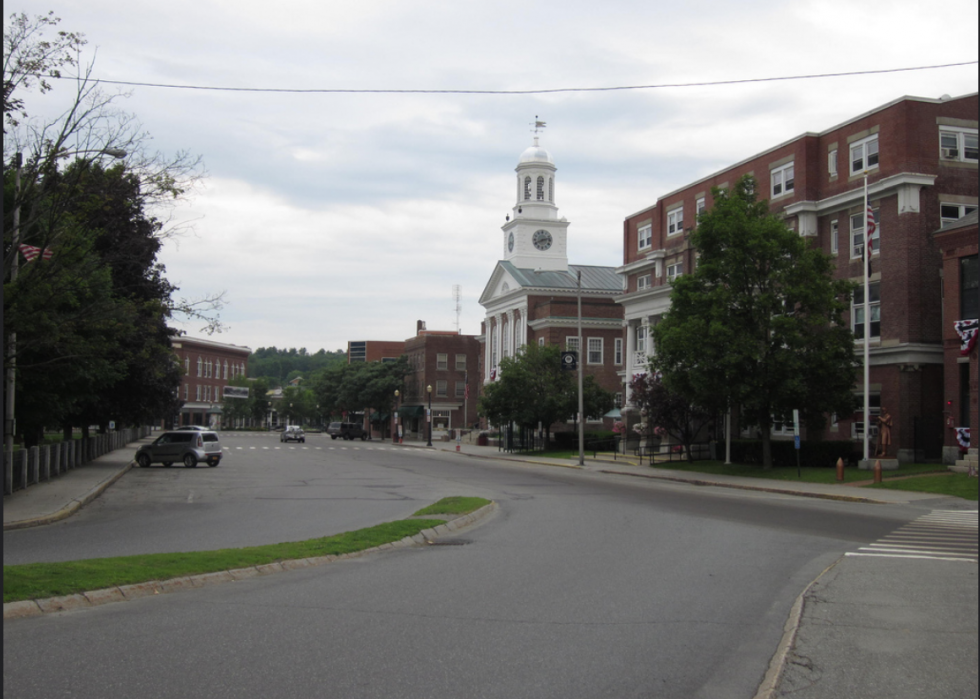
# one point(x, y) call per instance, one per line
point(41, 580)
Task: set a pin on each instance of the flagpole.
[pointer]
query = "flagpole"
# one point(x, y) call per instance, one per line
point(867, 324)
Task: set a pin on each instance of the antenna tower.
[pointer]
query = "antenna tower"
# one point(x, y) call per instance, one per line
point(457, 299)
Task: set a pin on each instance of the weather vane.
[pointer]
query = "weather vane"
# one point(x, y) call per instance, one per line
point(538, 125)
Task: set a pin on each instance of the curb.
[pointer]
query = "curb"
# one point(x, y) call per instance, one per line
point(72, 507)
point(739, 486)
point(124, 593)
point(786, 644)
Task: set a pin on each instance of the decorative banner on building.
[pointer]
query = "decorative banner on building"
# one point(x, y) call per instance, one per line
point(31, 252)
point(967, 330)
point(963, 437)
point(235, 392)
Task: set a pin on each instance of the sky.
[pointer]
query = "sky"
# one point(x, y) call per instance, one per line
point(333, 217)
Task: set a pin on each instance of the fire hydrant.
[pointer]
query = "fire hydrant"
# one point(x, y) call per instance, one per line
point(840, 470)
point(877, 471)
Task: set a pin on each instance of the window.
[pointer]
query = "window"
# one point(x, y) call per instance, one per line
point(857, 235)
point(675, 270)
point(700, 206)
point(834, 235)
point(460, 389)
point(571, 343)
point(540, 342)
point(675, 221)
point(958, 144)
point(226, 369)
point(460, 362)
point(540, 188)
point(874, 309)
point(952, 212)
point(551, 189)
point(441, 388)
point(874, 410)
point(832, 163)
point(618, 400)
point(618, 350)
point(527, 187)
point(643, 282)
point(442, 361)
point(641, 338)
point(645, 236)
point(200, 366)
point(197, 392)
point(969, 283)
point(187, 366)
point(782, 180)
point(595, 350)
point(864, 154)
point(186, 390)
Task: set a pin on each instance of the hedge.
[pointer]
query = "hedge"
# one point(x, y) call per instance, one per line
point(822, 454)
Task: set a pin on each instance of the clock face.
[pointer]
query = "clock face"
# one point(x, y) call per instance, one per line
point(510, 242)
point(542, 239)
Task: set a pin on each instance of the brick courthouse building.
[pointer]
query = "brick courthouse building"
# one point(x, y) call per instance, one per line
point(921, 155)
point(532, 294)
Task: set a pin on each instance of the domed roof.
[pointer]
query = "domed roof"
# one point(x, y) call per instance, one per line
point(536, 154)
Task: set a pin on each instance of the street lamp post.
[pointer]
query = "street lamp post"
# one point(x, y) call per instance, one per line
point(428, 389)
point(394, 423)
point(581, 361)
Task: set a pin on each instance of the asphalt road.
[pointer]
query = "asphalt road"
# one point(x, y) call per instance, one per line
point(582, 585)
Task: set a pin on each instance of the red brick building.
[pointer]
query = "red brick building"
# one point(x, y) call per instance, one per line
point(921, 159)
point(448, 362)
point(207, 368)
point(532, 294)
point(958, 243)
point(374, 351)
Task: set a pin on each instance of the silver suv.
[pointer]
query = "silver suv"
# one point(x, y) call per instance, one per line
point(188, 447)
point(293, 434)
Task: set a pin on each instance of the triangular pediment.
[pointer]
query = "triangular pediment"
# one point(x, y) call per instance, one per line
point(501, 283)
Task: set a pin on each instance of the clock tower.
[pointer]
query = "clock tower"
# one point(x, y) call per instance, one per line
point(534, 236)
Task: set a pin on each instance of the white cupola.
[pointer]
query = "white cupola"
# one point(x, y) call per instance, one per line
point(534, 237)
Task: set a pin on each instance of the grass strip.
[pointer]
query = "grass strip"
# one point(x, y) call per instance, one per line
point(456, 505)
point(956, 484)
point(40, 580)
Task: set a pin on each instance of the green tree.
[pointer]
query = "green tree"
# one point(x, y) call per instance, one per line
point(533, 388)
point(671, 413)
point(758, 324)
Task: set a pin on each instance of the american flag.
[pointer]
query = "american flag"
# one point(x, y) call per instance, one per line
point(31, 253)
point(967, 330)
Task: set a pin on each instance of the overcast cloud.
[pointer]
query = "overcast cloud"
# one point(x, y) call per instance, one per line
point(335, 217)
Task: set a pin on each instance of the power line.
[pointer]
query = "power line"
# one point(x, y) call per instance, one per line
point(515, 92)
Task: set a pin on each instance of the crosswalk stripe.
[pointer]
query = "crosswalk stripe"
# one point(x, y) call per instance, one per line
point(942, 535)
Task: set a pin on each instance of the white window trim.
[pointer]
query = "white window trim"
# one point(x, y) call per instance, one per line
point(863, 146)
point(618, 351)
point(644, 236)
point(641, 338)
point(590, 343)
point(643, 282)
point(675, 221)
point(962, 209)
point(832, 163)
point(874, 309)
point(778, 179)
point(675, 270)
point(834, 237)
point(960, 134)
point(856, 252)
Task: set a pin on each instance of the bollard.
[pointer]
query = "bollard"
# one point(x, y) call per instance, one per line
point(840, 470)
point(877, 471)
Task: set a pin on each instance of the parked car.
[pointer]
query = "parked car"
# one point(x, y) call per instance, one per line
point(346, 430)
point(293, 434)
point(198, 428)
point(185, 446)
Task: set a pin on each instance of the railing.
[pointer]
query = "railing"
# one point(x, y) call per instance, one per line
point(668, 453)
point(37, 464)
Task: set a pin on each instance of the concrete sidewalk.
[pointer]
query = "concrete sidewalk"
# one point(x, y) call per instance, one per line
point(630, 466)
point(65, 494)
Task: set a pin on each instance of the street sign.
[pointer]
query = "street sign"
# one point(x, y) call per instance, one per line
point(569, 361)
point(235, 392)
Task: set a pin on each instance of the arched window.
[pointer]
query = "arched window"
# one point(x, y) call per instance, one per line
point(551, 189)
point(527, 187)
point(540, 188)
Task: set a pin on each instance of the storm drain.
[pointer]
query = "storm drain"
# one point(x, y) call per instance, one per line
point(448, 542)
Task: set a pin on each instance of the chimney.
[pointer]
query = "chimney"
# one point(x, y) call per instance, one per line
point(420, 327)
